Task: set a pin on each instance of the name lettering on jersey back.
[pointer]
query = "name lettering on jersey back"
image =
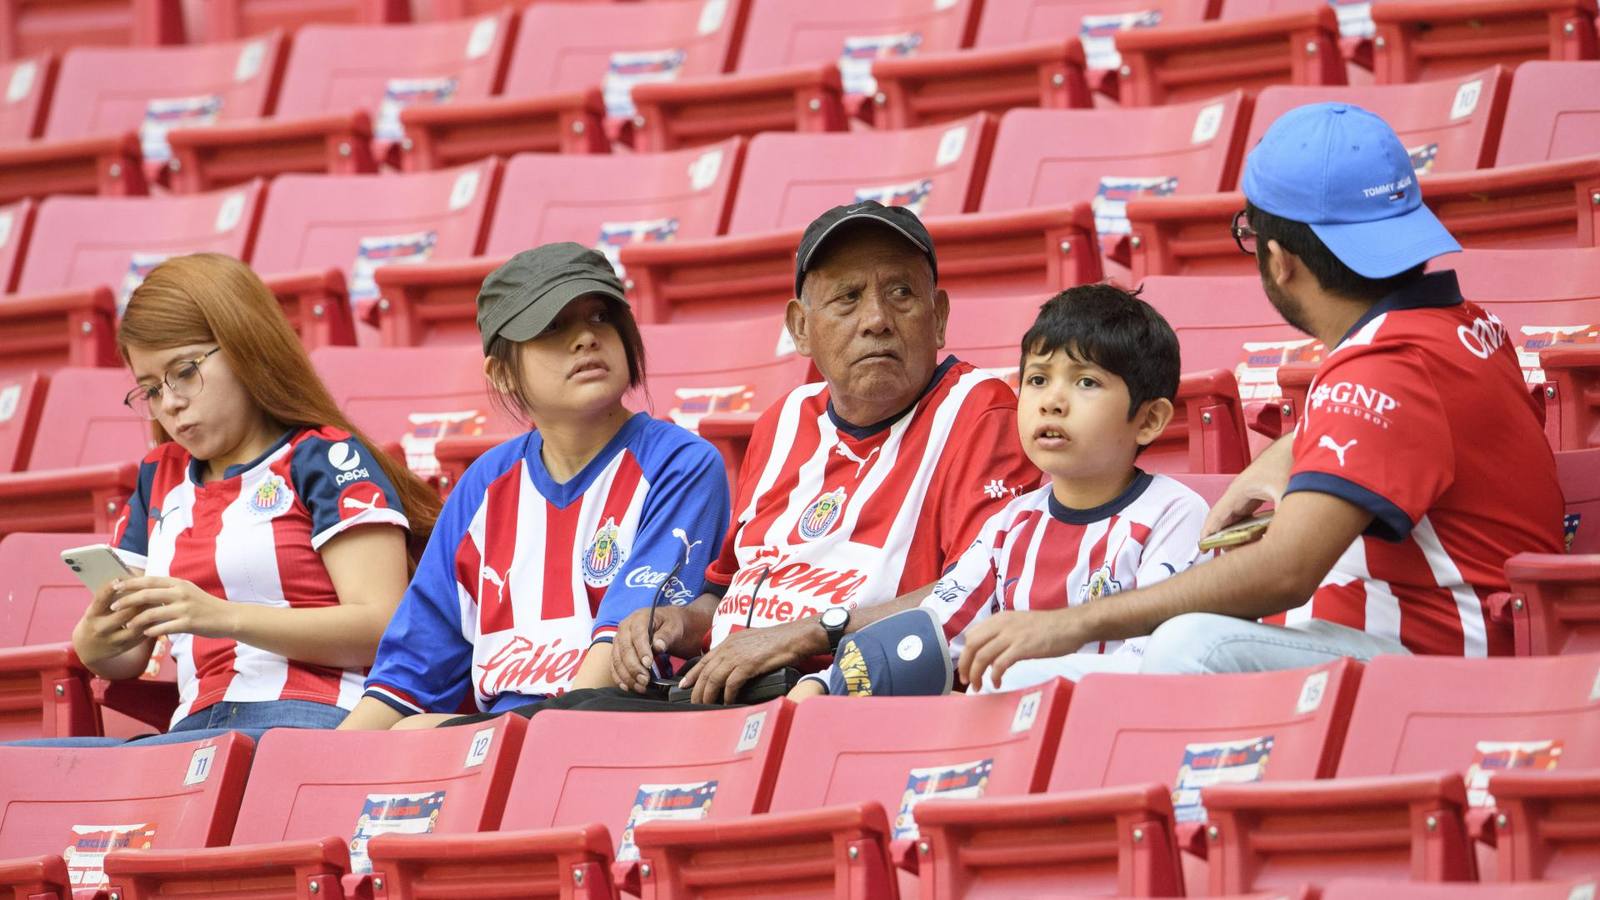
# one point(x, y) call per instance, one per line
point(521, 664)
point(1484, 336)
point(1349, 398)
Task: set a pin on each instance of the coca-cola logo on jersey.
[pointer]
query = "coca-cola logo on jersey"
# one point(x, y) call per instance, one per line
point(520, 664)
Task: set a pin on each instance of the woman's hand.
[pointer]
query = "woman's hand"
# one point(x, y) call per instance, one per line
point(161, 605)
point(104, 632)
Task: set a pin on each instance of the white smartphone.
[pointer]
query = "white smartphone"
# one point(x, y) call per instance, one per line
point(96, 565)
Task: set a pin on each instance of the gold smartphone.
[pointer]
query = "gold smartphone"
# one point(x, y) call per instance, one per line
point(1237, 534)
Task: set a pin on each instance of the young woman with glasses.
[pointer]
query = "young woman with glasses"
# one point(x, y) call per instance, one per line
point(271, 535)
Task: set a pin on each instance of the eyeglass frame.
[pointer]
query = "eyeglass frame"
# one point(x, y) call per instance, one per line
point(166, 384)
point(1241, 231)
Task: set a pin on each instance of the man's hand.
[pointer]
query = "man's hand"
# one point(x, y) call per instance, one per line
point(1263, 481)
point(679, 631)
point(752, 653)
point(1003, 639)
point(174, 606)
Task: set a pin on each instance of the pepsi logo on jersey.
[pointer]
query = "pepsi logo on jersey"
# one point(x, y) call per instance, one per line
point(347, 460)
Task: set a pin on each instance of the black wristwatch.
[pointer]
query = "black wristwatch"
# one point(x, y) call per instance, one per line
point(835, 619)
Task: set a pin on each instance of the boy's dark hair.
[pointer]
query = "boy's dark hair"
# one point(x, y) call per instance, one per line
point(1334, 276)
point(1109, 327)
point(506, 354)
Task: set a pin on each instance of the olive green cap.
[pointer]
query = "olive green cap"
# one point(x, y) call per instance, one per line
point(521, 298)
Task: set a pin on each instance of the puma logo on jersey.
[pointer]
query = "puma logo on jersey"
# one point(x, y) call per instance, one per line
point(1328, 442)
point(860, 461)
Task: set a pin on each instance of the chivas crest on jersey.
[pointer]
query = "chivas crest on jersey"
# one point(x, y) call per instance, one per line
point(604, 556)
point(820, 516)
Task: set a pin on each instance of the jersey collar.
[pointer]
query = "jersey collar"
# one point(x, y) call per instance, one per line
point(859, 432)
point(197, 470)
point(563, 493)
point(1070, 516)
point(1436, 290)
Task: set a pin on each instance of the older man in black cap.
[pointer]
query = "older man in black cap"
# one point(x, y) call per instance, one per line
point(857, 493)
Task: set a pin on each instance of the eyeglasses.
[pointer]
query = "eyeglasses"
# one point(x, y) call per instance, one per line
point(1243, 234)
point(182, 378)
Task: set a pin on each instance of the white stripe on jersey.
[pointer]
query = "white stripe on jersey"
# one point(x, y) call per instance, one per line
point(248, 570)
point(1474, 632)
point(808, 482)
point(788, 426)
point(177, 515)
point(903, 531)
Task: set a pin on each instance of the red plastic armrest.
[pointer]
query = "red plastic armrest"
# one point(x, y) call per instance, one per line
point(112, 165)
point(317, 304)
point(1572, 396)
point(690, 111)
point(415, 297)
point(1213, 421)
point(754, 267)
point(1432, 11)
point(285, 865)
point(452, 133)
point(1310, 38)
point(35, 876)
point(915, 90)
point(48, 659)
point(237, 151)
point(576, 856)
point(76, 324)
point(1541, 814)
point(82, 499)
point(1050, 248)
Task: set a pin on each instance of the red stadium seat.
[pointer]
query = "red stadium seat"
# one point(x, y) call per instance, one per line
point(1124, 794)
point(316, 796)
point(1546, 118)
point(323, 237)
point(1207, 431)
point(343, 89)
point(21, 399)
point(1256, 43)
point(578, 792)
point(1191, 148)
point(112, 108)
point(1451, 125)
point(84, 460)
point(28, 83)
point(46, 692)
point(377, 388)
point(788, 179)
point(16, 226)
point(1548, 825)
point(852, 772)
point(796, 66)
point(1412, 784)
point(29, 27)
point(565, 52)
point(86, 256)
point(1418, 39)
point(230, 20)
point(604, 201)
point(172, 797)
point(1367, 888)
point(1027, 53)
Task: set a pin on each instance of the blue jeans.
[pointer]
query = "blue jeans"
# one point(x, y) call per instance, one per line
point(250, 719)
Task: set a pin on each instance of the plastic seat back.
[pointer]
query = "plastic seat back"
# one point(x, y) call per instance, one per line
point(728, 366)
point(16, 227)
point(1367, 888)
point(27, 84)
point(86, 241)
point(1579, 474)
point(311, 783)
point(1550, 115)
point(573, 771)
point(1227, 322)
point(1008, 22)
point(1425, 714)
point(611, 200)
point(113, 90)
point(176, 796)
point(1543, 297)
point(228, 20)
point(573, 46)
point(360, 223)
point(85, 423)
point(21, 401)
point(790, 178)
point(29, 27)
point(1448, 126)
point(45, 598)
point(899, 750)
point(339, 68)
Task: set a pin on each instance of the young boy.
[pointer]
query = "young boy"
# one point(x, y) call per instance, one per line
point(1099, 373)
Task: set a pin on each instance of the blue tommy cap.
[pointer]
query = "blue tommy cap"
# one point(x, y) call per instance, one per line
point(1343, 171)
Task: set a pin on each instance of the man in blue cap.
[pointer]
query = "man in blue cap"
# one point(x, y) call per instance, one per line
point(1419, 467)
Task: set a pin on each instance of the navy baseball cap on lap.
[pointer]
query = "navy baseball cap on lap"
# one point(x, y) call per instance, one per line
point(1343, 171)
point(903, 655)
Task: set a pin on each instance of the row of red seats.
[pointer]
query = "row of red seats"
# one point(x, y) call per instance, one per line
point(1127, 785)
point(343, 98)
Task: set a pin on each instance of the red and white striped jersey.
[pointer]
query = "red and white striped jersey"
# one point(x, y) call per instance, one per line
point(254, 536)
point(1038, 554)
point(1420, 416)
point(831, 514)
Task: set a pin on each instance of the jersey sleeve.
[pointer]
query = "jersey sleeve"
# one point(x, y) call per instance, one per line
point(1173, 543)
point(965, 595)
point(984, 469)
point(130, 535)
point(424, 660)
point(1375, 434)
point(684, 520)
point(342, 486)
